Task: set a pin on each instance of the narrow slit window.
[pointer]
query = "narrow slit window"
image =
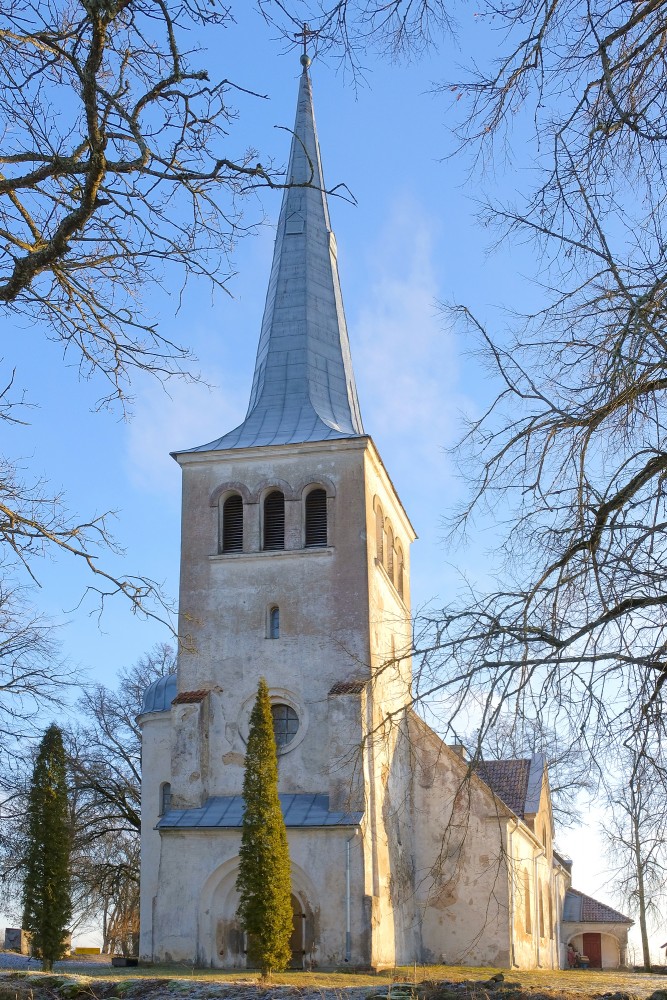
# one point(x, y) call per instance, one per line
point(274, 623)
point(316, 519)
point(232, 524)
point(274, 521)
point(165, 798)
point(399, 572)
point(527, 916)
point(390, 553)
point(379, 534)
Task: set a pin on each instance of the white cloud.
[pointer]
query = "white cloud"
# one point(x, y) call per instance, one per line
point(405, 356)
point(191, 414)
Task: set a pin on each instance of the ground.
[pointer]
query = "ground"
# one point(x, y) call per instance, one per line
point(93, 981)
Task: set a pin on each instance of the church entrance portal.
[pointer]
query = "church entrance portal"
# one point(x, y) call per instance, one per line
point(300, 941)
point(298, 938)
point(593, 950)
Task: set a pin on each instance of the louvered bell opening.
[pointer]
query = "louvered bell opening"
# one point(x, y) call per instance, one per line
point(232, 524)
point(316, 519)
point(274, 521)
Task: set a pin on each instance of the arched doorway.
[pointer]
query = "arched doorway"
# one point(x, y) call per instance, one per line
point(221, 942)
point(298, 938)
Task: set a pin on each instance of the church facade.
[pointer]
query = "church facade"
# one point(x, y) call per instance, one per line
point(295, 567)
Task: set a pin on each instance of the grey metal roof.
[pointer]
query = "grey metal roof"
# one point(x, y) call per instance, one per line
point(159, 695)
point(304, 388)
point(226, 812)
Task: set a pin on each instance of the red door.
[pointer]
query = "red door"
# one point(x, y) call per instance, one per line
point(593, 949)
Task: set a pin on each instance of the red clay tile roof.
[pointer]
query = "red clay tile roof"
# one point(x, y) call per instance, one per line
point(348, 687)
point(579, 907)
point(508, 779)
point(189, 697)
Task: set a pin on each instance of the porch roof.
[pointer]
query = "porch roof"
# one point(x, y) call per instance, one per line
point(580, 908)
point(226, 812)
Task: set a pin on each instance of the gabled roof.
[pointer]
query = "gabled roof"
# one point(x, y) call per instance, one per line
point(303, 388)
point(517, 782)
point(226, 812)
point(580, 908)
point(508, 779)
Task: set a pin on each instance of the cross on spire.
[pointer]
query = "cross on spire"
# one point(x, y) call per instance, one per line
point(304, 35)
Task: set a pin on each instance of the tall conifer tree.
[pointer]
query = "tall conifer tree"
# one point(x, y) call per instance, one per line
point(47, 907)
point(264, 882)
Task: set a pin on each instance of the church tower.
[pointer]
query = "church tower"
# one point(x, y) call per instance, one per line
point(295, 568)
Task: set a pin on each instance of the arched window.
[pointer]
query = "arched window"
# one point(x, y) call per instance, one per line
point(399, 571)
point(540, 909)
point(165, 798)
point(231, 534)
point(316, 518)
point(527, 915)
point(390, 553)
point(379, 534)
point(274, 623)
point(274, 521)
point(551, 915)
point(285, 724)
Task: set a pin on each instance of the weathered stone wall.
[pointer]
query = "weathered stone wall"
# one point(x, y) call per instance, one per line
point(344, 618)
point(155, 771)
point(389, 856)
point(195, 914)
point(536, 908)
point(322, 594)
point(461, 871)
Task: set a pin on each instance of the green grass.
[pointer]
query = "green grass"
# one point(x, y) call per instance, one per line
point(581, 982)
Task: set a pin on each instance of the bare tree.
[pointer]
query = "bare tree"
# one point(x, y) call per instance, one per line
point(116, 173)
point(32, 674)
point(520, 736)
point(35, 524)
point(569, 459)
point(636, 839)
point(104, 794)
point(115, 169)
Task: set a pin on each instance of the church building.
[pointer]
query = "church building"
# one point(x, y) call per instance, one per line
point(295, 567)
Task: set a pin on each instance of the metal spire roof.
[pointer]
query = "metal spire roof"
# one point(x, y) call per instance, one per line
point(303, 389)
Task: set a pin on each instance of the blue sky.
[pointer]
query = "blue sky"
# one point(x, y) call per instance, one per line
point(410, 242)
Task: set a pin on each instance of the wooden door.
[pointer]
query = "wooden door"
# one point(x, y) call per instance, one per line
point(297, 940)
point(593, 949)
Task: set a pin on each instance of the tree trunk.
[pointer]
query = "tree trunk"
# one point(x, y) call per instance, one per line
point(641, 898)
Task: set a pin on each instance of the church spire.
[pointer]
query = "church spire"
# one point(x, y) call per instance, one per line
point(303, 388)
